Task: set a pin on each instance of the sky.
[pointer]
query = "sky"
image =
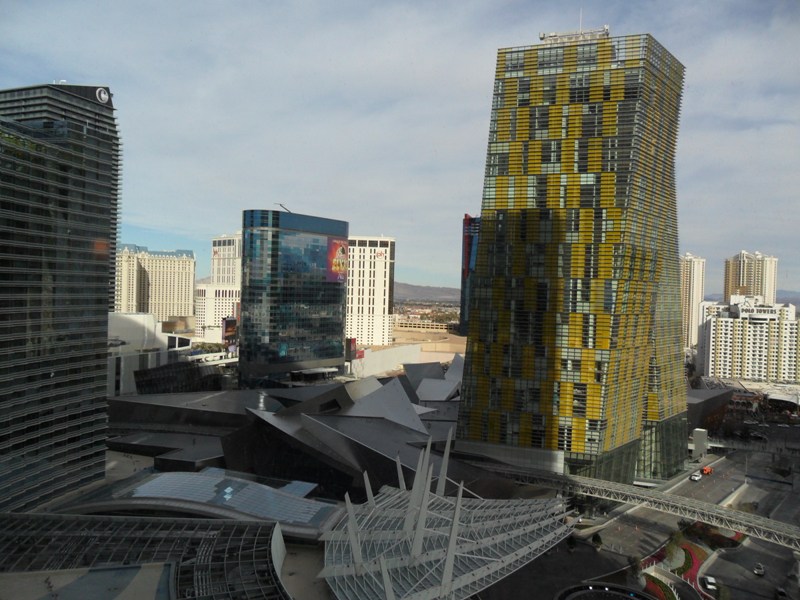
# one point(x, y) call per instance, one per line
point(377, 113)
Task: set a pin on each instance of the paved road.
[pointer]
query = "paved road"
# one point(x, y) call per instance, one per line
point(641, 531)
point(734, 568)
point(772, 495)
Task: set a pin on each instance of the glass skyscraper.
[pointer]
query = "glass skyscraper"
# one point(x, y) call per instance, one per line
point(294, 287)
point(470, 232)
point(59, 201)
point(574, 357)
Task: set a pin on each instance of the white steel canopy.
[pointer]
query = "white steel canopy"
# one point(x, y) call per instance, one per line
point(416, 545)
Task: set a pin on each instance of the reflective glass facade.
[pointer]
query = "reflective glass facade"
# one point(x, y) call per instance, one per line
point(574, 342)
point(471, 228)
point(59, 198)
point(294, 287)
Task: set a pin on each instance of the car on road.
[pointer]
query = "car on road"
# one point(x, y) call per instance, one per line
point(783, 425)
point(696, 476)
point(759, 569)
point(709, 583)
point(780, 593)
point(757, 435)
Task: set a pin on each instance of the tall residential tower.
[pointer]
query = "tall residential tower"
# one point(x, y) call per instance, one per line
point(217, 302)
point(749, 339)
point(370, 290)
point(574, 358)
point(693, 282)
point(59, 195)
point(751, 274)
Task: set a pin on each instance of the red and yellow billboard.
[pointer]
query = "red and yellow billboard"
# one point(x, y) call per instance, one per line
point(337, 259)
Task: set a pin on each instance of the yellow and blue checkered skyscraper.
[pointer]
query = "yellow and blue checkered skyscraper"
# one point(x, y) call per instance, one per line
point(574, 360)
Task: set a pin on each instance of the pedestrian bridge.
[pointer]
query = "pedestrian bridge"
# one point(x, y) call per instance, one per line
point(753, 525)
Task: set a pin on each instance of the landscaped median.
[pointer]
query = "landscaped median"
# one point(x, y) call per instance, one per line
point(658, 588)
point(683, 555)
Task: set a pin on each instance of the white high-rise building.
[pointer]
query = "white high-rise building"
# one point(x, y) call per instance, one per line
point(226, 260)
point(693, 277)
point(156, 282)
point(370, 290)
point(750, 339)
point(220, 298)
point(751, 274)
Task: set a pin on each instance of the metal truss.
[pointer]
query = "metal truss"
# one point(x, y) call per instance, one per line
point(418, 545)
point(756, 526)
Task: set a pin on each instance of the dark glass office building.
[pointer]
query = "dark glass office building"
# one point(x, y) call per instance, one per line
point(294, 288)
point(471, 229)
point(574, 356)
point(59, 200)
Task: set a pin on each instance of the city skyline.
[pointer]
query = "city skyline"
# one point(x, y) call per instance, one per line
point(376, 114)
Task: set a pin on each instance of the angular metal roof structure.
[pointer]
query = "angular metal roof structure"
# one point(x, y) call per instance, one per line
point(418, 545)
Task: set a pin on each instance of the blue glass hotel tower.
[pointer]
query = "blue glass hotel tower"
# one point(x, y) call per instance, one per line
point(294, 288)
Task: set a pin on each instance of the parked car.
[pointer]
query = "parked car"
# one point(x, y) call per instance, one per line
point(759, 569)
point(780, 593)
point(696, 476)
point(709, 583)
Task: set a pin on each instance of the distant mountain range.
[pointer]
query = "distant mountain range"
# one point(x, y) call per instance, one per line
point(406, 291)
point(781, 296)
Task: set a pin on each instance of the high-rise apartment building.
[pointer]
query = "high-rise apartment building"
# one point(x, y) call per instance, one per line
point(574, 358)
point(294, 288)
point(154, 281)
point(751, 274)
point(226, 260)
point(370, 290)
point(59, 195)
point(218, 300)
point(693, 281)
point(751, 339)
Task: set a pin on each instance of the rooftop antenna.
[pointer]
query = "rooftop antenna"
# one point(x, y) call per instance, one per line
point(283, 207)
point(580, 20)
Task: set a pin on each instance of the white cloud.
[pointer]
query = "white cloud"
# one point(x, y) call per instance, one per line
point(377, 113)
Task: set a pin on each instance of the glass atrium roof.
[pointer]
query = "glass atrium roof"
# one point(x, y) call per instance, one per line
point(216, 488)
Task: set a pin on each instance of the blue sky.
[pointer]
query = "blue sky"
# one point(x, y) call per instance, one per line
point(377, 113)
